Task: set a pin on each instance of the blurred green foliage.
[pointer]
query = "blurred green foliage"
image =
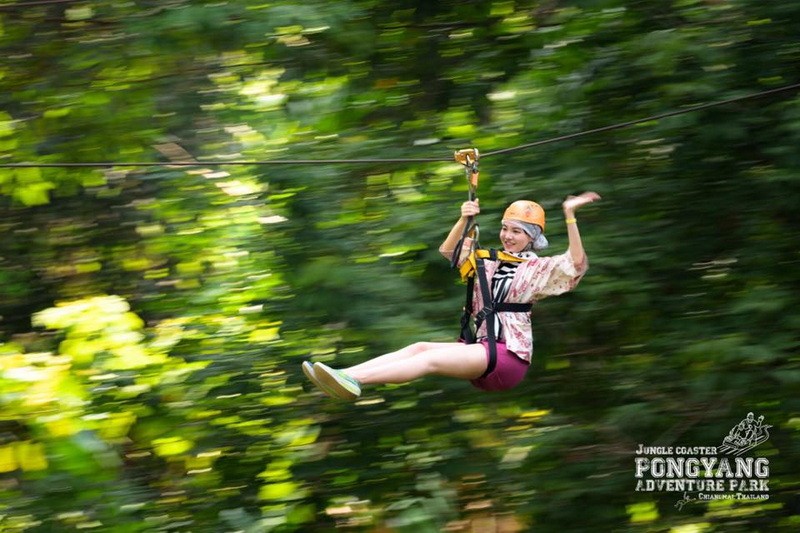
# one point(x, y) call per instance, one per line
point(154, 319)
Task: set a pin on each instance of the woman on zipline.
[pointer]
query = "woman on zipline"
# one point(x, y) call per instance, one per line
point(511, 282)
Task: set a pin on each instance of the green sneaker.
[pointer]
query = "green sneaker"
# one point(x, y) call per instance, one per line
point(342, 385)
point(308, 370)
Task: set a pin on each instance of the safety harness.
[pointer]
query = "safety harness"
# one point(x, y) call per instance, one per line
point(474, 267)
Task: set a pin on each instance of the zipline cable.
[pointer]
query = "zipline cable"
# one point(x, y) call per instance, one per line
point(36, 3)
point(200, 163)
point(630, 123)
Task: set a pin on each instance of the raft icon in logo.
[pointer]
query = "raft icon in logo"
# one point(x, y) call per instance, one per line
point(745, 436)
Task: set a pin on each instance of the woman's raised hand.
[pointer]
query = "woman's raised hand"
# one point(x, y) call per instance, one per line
point(572, 203)
point(470, 208)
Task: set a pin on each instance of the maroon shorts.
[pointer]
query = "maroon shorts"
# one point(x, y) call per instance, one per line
point(508, 372)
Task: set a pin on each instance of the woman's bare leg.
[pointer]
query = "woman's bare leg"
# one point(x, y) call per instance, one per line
point(409, 351)
point(457, 360)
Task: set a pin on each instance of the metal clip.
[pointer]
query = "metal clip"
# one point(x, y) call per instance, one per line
point(476, 236)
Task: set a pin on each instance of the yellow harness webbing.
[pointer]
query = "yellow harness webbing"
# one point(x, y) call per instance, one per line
point(470, 266)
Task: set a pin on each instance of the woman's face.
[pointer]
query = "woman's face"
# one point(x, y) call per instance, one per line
point(513, 238)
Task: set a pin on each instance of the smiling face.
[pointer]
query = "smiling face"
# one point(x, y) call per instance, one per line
point(513, 238)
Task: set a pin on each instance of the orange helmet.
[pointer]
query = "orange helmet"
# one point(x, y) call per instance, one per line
point(525, 211)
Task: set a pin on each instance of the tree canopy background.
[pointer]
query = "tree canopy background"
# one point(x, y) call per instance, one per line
point(154, 318)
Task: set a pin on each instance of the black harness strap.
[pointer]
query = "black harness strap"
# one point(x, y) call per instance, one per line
point(487, 313)
point(467, 335)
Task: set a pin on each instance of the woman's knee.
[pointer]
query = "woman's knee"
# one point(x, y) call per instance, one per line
point(421, 347)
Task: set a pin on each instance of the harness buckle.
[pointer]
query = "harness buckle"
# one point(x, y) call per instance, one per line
point(483, 313)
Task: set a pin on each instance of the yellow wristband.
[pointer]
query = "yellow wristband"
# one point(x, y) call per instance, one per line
point(571, 221)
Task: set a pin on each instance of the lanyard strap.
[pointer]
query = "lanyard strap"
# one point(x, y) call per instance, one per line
point(469, 158)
